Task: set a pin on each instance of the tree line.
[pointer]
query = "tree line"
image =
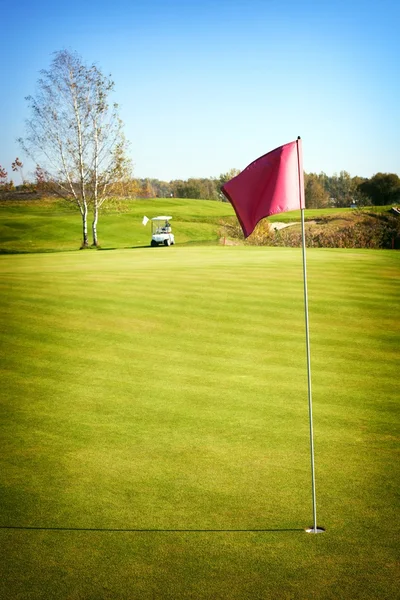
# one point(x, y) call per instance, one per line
point(321, 190)
point(343, 190)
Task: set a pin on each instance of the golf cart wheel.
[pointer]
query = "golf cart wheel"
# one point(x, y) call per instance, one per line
point(153, 243)
point(167, 242)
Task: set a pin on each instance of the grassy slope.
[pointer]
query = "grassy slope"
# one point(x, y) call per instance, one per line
point(167, 390)
point(50, 225)
point(43, 226)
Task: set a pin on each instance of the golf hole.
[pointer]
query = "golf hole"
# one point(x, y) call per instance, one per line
point(311, 530)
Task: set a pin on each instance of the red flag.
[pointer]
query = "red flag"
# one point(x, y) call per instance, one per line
point(270, 185)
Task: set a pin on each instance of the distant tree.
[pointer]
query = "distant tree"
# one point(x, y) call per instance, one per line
point(161, 189)
point(125, 188)
point(209, 188)
point(342, 189)
point(40, 179)
point(146, 189)
point(3, 176)
point(315, 194)
point(223, 178)
point(339, 188)
point(187, 189)
point(5, 184)
point(197, 188)
point(75, 136)
point(358, 197)
point(382, 188)
point(17, 167)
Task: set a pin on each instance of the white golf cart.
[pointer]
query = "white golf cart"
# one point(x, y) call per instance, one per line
point(161, 232)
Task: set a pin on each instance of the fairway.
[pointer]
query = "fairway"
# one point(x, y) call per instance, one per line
point(49, 225)
point(155, 424)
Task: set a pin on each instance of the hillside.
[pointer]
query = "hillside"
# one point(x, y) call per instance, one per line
point(377, 227)
point(50, 225)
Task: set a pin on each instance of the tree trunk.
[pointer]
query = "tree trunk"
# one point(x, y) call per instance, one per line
point(94, 225)
point(85, 241)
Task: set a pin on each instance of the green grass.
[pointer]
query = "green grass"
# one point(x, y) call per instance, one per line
point(166, 390)
point(51, 225)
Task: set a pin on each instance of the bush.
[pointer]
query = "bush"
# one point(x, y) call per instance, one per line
point(366, 230)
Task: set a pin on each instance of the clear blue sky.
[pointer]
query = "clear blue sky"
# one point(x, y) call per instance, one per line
point(205, 86)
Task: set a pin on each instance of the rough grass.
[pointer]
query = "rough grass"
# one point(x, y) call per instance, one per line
point(351, 229)
point(166, 391)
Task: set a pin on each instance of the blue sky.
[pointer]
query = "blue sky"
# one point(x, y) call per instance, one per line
point(205, 86)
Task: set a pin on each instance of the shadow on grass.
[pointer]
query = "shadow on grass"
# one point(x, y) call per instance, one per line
point(143, 530)
point(180, 244)
point(5, 251)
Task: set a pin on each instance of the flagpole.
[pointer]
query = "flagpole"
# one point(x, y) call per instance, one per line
point(314, 528)
point(266, 187)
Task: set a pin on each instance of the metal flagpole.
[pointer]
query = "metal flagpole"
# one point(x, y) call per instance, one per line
point(314, 528)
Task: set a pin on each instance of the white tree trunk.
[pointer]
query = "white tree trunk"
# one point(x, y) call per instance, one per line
point(94, 225)
point(84, 213)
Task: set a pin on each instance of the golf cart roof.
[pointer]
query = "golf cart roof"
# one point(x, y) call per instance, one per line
point(162, 218)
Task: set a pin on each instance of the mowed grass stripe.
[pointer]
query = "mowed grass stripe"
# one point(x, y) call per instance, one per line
point(167, 390)
point(185, 362)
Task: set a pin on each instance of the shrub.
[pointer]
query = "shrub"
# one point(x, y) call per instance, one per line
point(367, 230)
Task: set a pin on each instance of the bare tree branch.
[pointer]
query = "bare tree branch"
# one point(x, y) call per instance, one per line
point(75, 135)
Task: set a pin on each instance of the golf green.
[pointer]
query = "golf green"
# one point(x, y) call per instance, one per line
point(155, 437)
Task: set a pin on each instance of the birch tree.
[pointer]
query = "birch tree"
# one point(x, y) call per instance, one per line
point(75, 136)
